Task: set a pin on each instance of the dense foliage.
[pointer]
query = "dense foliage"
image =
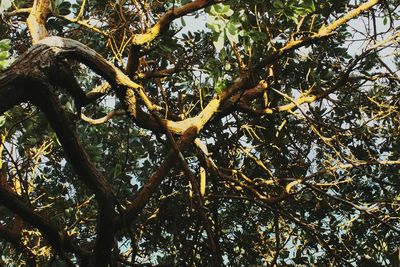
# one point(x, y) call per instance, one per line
point(201, 133)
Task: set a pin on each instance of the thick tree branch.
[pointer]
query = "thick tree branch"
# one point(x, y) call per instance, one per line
point(10, 93)
point(36, 90)
point(37, 19)
point(67, 48)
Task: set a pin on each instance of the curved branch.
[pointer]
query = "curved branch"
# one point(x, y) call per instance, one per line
point(38, 91)
point(103, 119)
point(67, 48)
point(162, 25)
point(18, 12)
point(56, 48)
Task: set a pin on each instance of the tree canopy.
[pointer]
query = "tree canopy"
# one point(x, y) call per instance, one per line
point(199, 133)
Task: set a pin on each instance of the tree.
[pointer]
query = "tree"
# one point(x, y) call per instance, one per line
point(267, 136)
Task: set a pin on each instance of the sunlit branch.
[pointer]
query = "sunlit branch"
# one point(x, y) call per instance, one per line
point(36, 21)
point(18, 12)
point(157, 73)
point(349, 16)
point(103, 119)
point(83, 23)
point(162, 25)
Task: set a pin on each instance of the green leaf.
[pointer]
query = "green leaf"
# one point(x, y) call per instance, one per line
point(385, 20)
point(215, 24)
point(3, 55)
point(5, 44)
point(5, 5)
point(2, 120)
point(219, 42)
point(166, 48)
point(68, 106)
point(257, 36)
point(219, 8)
point(277, 4)
point(3, 65)
point(232, 31)
point(57, 2)
point(299, 11)
point(229, 13)
point(309, 5)
point(117, 170)
point(213, 11)
point(232, 37)
point(227, 66)
point(64, 8)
